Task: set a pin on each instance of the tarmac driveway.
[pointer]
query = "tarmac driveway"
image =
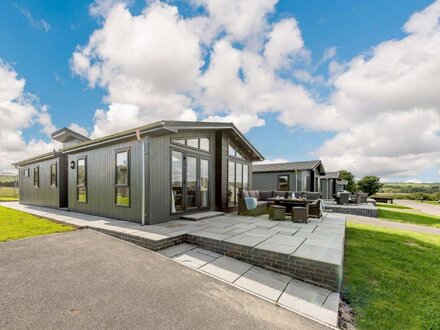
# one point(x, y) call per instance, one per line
point(84, 279)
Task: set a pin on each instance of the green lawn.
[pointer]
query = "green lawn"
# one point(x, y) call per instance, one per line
point(431, 202)
point(392, 278)
point(408, 216)
point(15, 225)
point(8, 199)
point(393, 206)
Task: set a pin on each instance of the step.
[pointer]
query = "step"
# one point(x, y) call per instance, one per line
point(202, 215)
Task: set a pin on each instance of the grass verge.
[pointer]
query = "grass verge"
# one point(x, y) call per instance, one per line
point(392, 278)
point(406, 216)
point(393, 206)
point(16, 224)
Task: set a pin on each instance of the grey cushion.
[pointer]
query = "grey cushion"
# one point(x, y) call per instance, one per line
point(277, 193)
point(254, 194)
point(262, 203)
point(298, 194)
point(312, 195)
point(244, 194)
point(264, 195)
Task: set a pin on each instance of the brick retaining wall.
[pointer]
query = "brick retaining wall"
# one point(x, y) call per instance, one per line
point(367, 211)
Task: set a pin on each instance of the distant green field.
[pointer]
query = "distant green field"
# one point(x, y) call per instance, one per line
point(8, 193)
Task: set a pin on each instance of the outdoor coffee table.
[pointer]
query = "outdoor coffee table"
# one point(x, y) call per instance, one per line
point(289, 202)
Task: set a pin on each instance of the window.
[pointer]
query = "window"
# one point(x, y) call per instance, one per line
point(234, 152)
point(122, 187)
point(193, 143)
point(26, 172)
point(36, 177)
point(238, 178)
point(231, 150)
point(245, 177)
point(176, 181)
point(196, 143)
point(283, 182)
point(53, 175)
point(204, 144)
point(81, 180)
point(204, 183)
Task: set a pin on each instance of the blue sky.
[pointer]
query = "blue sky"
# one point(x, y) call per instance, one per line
point(38, 40)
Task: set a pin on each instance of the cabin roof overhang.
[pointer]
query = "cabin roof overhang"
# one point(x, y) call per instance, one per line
point(164, 128)
point(36, 159)
point(65, 135)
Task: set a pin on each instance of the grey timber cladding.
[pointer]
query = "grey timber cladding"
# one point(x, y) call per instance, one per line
point(45, 194)
point(101, 178)
point(269, 180)
point(159, 172)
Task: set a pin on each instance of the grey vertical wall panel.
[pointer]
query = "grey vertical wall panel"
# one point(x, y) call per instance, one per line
point(101, 182)
point(44, 195)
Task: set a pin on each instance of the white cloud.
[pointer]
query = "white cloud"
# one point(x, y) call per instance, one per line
point(388, 104)
point(19, 111)
point(384, 106)
point(36, 23)
point(284, 42)
point(103, 7)
point(79, 129)
point(147, 63)
point(242, 21)
point(271, 161)
point(414, 181)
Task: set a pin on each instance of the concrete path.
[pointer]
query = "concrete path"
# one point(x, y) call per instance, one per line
point(395, 225)
point(312, 301)
point(423, 207)
point(87, 280)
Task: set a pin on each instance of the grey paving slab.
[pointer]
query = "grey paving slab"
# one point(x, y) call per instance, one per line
point(309, 309)
point(261, 284)
point(313, 252)
point(207, 234)
point(177, 249)
point(202, 215)
point(208, 252)
point(280, 277)
point(226, 268)
point(307, 292)
point(247, 239)
point(193, 259)
point(332, 302)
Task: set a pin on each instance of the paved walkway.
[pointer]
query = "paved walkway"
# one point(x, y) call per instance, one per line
point(315, 302)
point(423, 207)
point(87, 280)
point(394, 225)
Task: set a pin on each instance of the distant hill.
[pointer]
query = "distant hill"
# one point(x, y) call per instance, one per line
point(409, 188)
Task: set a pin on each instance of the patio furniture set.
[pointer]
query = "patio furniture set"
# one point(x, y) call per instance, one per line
point(299, 205)
point(345, 198)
